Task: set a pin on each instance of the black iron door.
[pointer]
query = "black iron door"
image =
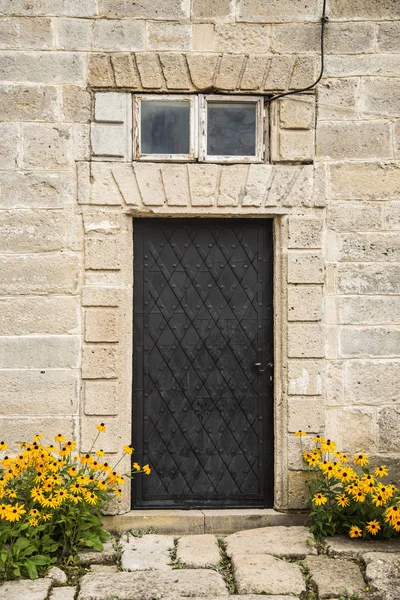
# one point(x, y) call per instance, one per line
point(202, 409)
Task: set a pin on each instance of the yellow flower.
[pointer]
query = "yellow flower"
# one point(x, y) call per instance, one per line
point(355, 532)
point(346, 475)
point(328, 469)
point(300, 433)
point(136, 466)
point(36, 493)
point(129, 449)
point(373, 527)
point(378, 499)
point(3, 510)
point(361, 459)
point(36, 438)
point(65, 451)
point(71, 445)
point(3, 446)
point(117, 491)
point(91, 498)
point(85, 459)
point(73, 471)
point(14, 513)
point(381, 471)
point(75, 498)
point(34, 512)
point(318, 439)
point(101, 427)
point(318, 499)
point(147, 469)
point(328, 446)
point(342, 500)
point(102, 485)
point(358, 494)
point(60, 438)
point(11, 493)
point(396, 525)
point(100, 453)
point(392, 513)
point(47, 517)
point(33, 522)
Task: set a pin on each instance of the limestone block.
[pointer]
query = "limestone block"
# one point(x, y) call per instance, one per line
point(355, 216)
point(258, 184)
point(74, 34)
point(389, 36)
point(109, 140)
point(9, 139)
point(369, 247)
point(153, 584)
point(168, 36)
point(39, 392)
point(354, 140)
point(305, 233)
point(307, 414)
point(80, 142)
point(202, 68)
point(38, 274)
point(279, 71)
point(297, 113)
point(100, 296)
point(356, 429)
point(118, 35)
point(25, 588)
point(36, 352)
point(42, 67)
point(295, 145)
point(63, 593)
point(36, 190)
point(75, 104)
point(254, 72)
point(373, 382)
point(305, 377)
point(306, 341)
point(364, 10)
point(337, 99)
point(335, 383)
point(58, 576)
point(26, 33)
point(380, 95)
point(150, 73)
point(176, 185)
point(276, 11)
point(102, 253)
point(101, 397)
point(111, 107)
point(101, 222)
point(392, 212)
point(101, 325)
point(28, 103)
point(231, 187)
point(241, 37)
point(100, 72)
point(344, 547)
point(369, 341)
point(73, 8)
point(147, 553)
point(203, 180)
point(368, 65)
point(278, 541)
point(389, 429)
point(32, 231)
point(112, 184)
point(26, 316)
point(110, 442)
point(229, 72)
point(198, 551)
point(95, 557)
point(203, 37)
point(305, 267)
point(9, 33)
point(125, 71)
point(335, 577)
point(157, 9)
point(298, 491)
point(150, 183)
point(267, 575)
point(365, 181)
point(382, 574)
point(212, 10)
point(304, 72)
point(305, 303)
point(368, 279)
point(175, 71)
point(46, 146)
point(99, 362)
point(19, 429)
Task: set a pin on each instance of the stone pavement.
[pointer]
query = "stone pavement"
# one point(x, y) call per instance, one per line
point(269, 563)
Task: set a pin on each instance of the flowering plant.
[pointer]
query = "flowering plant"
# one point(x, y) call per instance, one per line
point(51, 500)
point(346, 497)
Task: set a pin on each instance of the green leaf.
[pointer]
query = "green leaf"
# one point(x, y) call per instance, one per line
point(31, 569)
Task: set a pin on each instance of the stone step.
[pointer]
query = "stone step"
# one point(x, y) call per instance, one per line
point(216, 521)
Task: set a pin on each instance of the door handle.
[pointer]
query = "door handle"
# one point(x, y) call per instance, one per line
point(262, 370)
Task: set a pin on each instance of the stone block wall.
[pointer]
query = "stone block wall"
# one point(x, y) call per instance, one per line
point(69, 192)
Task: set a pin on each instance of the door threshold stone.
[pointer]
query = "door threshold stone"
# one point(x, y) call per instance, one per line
point(183, 522)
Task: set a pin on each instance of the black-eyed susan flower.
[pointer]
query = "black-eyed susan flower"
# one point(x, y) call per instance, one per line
point(361, 459)
point(381, 471)
point(3, 446)
point(328, 446)
point(91, 498)
point(147, 469)
point(355, 532)
point(128, 449)
point(373, 527)
point(300, 433)
point(101, 427)
point(396, 525)
point(60, 438)
point(318, 499)
point(378, 499)
point(15, 512)
point(342, 500)
point(47, 516)
point(100, 453)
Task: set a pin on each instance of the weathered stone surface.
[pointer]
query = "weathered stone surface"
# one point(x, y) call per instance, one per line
point(101, 325)
point(9, 138)
point(198, 551)
point(381, 96)
point(104, 569)
point(148, 553)
point(335, 577)
point(168, 36)
point(26, 33)
point(371, 247)
point(389, 429)
point(38, 274)
point(305, 302)
point(155, 9)
point(306, 340)
point(146, 586)
point(278, 541)
point(241, 37)
point(305, 377)
point(46, 146)
point(356, 216)
point(229, 72)
point(100, 72)
point(369, 309)
point(44, 67)
point(99, 362)
point(100, 296)
point(369, 341)
point(364, 9)
point(389, 36)
point(73, 8)
point(75, 104)
point(101, 398)
point(212, 10)
point(74, 34)
point(344, 547)
point(108, 140)
point(28, 103)
point(26, 316)
point(337, 99)
point(382, 574)
point(304, 233)
point(264, 574)
point(202, 68)
point(175, 71)
point(372, 181)
point(297, 113)
point(353, 428)
point(57, 575)
point(32, 231)
point(102, 253)
point(36, 190)
point(295, 146)
point(305, 268)
point(307, 414)
point(276, 11)
point(105, 556)
point(373, 382)
point(26, 589)
point(118, 35)
point(354, 140)
point(369, 279)
point(24, 428)
point(63, 593)
point(39, 352)
point(149, 68)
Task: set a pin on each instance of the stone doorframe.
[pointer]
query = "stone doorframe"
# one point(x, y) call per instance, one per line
point(112, 191)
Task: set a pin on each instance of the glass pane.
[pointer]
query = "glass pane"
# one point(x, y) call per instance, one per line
point(231, 129)
point(165, 127)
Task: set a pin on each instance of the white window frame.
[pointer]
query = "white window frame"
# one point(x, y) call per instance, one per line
point(193, 128)
point(260, 118)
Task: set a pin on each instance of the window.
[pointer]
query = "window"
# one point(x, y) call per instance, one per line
point(208, 128)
